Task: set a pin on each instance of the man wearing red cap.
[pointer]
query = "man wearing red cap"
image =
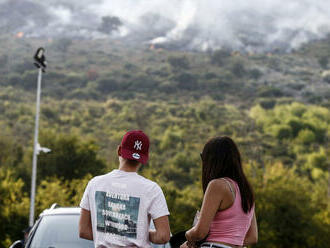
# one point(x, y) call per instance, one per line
point(117, 207)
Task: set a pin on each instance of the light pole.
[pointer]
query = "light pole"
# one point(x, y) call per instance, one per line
point(40, 63)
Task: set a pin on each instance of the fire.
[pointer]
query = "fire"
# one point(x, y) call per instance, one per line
point(19, 35)
point(152, 47)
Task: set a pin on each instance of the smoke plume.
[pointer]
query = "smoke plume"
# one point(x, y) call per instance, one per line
point(254, 25)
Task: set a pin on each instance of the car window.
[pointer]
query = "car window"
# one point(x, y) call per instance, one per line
point(59, 231)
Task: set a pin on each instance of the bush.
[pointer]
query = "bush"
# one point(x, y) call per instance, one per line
point(287, 211)
point(282, 132)
point(141, 83)
point(210, 75)
point(26, 65)
point(237, 68)
point(69, 158)
point(3, 60)
point(255, 73)
point(326, 76)
point(306, 137)
point(110, 24)
point(296, 125)
point(14, 79)
point(268, 91)
point(219, 57)
point(29, 80)
point(62, 44)
point(318, 160)
point(323, 61)
point(178, 62)
point(186, 81)
point(268, 103)
point(107, 85)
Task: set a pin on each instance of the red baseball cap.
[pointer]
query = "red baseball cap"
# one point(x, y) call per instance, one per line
point(135, 146)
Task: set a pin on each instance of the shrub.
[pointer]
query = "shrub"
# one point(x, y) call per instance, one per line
point(268, 103)
point(282, 132)
point(238, 69)
point(323, 61)
point(255, 73)
point(306, 137)
point(268, 91)
point(107, 85)
point(186, 81)
point(219, 57)
point(178, 62)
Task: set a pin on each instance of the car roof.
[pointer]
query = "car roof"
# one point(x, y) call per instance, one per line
point(61, 211)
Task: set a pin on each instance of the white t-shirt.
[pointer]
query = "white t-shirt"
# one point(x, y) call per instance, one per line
point(121, 205)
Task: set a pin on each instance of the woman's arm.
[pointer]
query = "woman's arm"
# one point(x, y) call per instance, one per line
point(211, 203)
point(251, 236)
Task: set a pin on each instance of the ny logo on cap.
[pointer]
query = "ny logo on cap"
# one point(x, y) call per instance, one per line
point(138, 145)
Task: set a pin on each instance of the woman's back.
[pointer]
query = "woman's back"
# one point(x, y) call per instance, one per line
point(231, 225)
point(226, 219)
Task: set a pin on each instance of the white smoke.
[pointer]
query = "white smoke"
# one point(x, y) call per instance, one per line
point(255, 25)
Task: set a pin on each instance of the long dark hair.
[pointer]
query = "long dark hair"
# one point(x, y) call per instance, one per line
point(221, 158)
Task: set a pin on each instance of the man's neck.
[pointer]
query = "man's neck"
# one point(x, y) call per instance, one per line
point(128, 168)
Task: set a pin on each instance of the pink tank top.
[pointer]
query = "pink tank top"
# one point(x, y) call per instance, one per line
point(231, 225)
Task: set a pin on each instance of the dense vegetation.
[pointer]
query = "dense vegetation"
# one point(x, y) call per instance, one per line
point(275, 106)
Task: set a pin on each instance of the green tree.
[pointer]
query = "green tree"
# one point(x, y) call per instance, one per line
point(286, 211)
point(178, 63)
point(323, 61)
point(238, 68)
point(62, 45)
point(70, 157)
point(219, 57)
point(3, 60)
point(11, 154)
point(110, 24)
point(306, 137)
point(14, 208)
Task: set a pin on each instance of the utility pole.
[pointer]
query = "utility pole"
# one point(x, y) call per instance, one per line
point(40, 63)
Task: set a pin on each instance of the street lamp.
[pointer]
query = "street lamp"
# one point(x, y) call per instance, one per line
point(41, 63)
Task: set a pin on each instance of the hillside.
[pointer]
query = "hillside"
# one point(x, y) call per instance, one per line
point(275, 106)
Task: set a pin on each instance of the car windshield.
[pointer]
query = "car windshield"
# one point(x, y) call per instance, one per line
point(59, 231)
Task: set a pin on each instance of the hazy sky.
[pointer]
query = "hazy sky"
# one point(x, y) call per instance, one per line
point(198, 24)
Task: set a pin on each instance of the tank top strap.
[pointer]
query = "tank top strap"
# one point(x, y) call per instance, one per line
point(230, 187)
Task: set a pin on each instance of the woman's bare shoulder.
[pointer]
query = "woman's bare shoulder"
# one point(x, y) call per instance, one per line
point(217, 184)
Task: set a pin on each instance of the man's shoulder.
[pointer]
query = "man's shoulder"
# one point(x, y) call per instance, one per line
point(150, 185)
point(147, 181)
point(98, 178)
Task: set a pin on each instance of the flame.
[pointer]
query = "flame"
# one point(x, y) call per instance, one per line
point(152, 47)
point(19, 35)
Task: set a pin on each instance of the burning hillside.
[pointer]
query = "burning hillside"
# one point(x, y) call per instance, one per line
point(253, 26)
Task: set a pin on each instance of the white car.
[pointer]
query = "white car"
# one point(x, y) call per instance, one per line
point(57, 227)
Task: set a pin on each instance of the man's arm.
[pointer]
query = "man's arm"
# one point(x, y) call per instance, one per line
point(85, 225)
point(162, 233)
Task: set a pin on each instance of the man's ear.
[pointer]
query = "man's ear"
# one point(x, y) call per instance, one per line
point(119, 150)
